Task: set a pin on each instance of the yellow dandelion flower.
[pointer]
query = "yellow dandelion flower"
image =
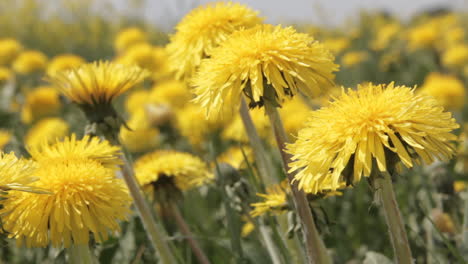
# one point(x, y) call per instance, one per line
point(447, 89)
point(141, 54)
point(275, 200)
point(173, 93)
point(46, 131)
point(64, 62)
point(141, 136)
point(235, 130)
point(377, 123)
point(129, 37)
point(162, 67)
point(5, 74)
point(41, 102)
point(234, 156)
point(30, 61)
point(385, 35)
point(136, 100)
point(5, 137)
point(91, 148)
point(265, 63)
point(454, 36)
point(183, 170)
point(85, 197)
point(247, 228)
point(459, 186)
point(352, 58)
point(455, 56)
point(203, 29)
point(294, 115)
point(98, 82)
point(9, 49)
point(422, 36)
point(16, 174)
point(337, 45)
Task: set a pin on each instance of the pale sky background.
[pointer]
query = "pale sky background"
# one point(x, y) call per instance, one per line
point(326, 12)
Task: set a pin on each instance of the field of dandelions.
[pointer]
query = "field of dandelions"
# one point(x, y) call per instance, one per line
point(228, 140)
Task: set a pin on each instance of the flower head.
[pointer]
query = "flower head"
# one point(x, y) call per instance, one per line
point(9, 49)
point(85, 197)
point(203, 29)
point(16, 174)
point(183, 170)
point(265, 63)
point(46, 131)
point(447, 89)
point(90, 148)
point(455, 56)
point(173, 93)
point(41, 102)
point(370, 129)
point(5, 137)
point(139, 136)
point(5, 74)
point(275, 200)
point(129, 37)
point(64, 62)
point(354, 57)
point(30, 61)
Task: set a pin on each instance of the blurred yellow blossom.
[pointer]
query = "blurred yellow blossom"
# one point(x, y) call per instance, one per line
point(337, 45)
point(172, 92)
point(455, 56)
point(41, 102)
point(5, 137)
point(64, 62)
point(352, 58)
point(5, 74)
point(30, 61)
point(447, 89)
point(46, 131)
point(139, 136)
point(9, 49)
point(129, 37)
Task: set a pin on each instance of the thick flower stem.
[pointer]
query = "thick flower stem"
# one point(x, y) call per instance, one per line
point(316, 251)
point(396, 227)
point(185, 230)
point(80, 254)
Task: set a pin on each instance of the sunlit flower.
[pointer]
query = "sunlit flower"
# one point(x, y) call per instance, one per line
point(5, 74)
point(9, 49)
point(167, 167)
point(141, 55)
point(41, 102)
point(203, 29)
point(294, 115)
point(455, 56)
point(5, 137)
point(64, 62)
point(448, 90)
point(354, 57)
point(336, 45)
point(173, 93)
point(377, 123)
point(139, 136)
point(84, 197)
point(90, 148)
point(46, 131)
point(238, 157)
point(422, 36)
point(30, 61)
point(129, 37)
point(275, 200)
point(385, 34)
point(235, 130)
point(16, 174)
point(264, 63)
point(136, 100)
point(162, 68)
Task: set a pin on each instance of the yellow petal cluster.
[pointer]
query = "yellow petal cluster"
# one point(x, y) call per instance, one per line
point(367, 130)
point(203, 29)
point(30, 61)
point(5, 137)
point(264, 63)
point(141, 136)
point(41, 102)
point(129, 37)
point(16, 174)
point(447, 89)
point(275, 200)
point(46, 131)
point(9, 49)
point(64, 62)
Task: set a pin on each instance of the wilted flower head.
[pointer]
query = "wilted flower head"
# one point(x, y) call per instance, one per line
point(64, 62)
point(41, 102)
point(46, 131)
point(203, 29)
point(9, 49)
point(448, 90)
point(30, 61)
point(370, 129)
point(266, 63)
point(84, 197)
point(129, 37)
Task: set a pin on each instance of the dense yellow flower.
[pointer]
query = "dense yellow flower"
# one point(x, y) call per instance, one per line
point(265, 63)
point(5, 74)
point(90, 148)
point(354, 57)
point(64, 62)
point(294, 115)
point(173, 93)
point(275, 200)
point(85, 197)
point(455, 56)
point(16, 174)
point(203, 29)
point(41, 102)
point(129, 37)
point(162, 67)
point(141, 136)
point(141, 54)
point(136, 100)
point(98, 82)
point(5, 137)
point(30, 61)
point(385, 125)
point(454, 36)
point(447, 89)
point(337, 45)
point(9, 49)
point(235, 130)
point(183, 170)
point(46, 131)
point(237, 157)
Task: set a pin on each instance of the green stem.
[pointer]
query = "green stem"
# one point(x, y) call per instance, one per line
point(270, 246)
point(316, 251)
point(396, 227)
point(80, 254)
point(185, 230)
point(465, 221)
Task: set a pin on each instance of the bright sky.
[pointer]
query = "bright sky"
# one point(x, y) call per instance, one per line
point(167, 12)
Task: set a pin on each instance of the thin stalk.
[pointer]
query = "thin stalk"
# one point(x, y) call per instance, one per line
point(270, 246)
point(465, 222)
point(396, 227)
point(315, 248)
point(265, 169)
point(80, 254)
point(185, 230)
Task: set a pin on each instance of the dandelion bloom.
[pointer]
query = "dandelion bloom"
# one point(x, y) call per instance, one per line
point(64, 62)
point(139, 136)
point(178, 169)
point(447, 89)
point(30, 61)
point(129, 37)
point(46, 131)
point(41, 102)
point(5, 74)
point(84, 197)
point(375, 124)
point(203, 29)
point(265, 63)
point(275, 200)
point(16, 174)
point(455, 56)
point(172, 93)
point(9, 49)
point(5, 137)
point(352, 58)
